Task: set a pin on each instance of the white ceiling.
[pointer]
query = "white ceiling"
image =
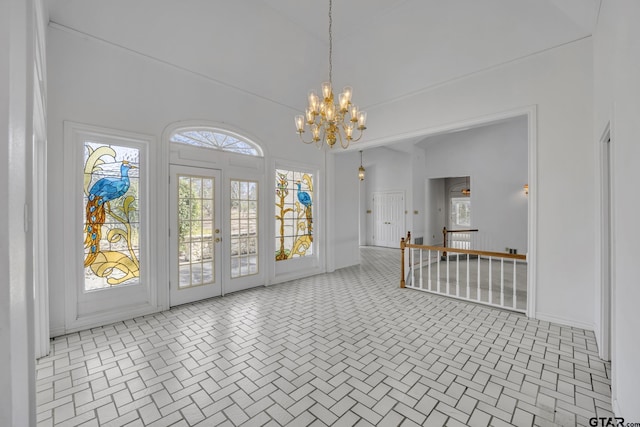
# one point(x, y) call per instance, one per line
point(278, 49)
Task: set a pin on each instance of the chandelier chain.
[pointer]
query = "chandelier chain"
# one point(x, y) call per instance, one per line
point(330, 43)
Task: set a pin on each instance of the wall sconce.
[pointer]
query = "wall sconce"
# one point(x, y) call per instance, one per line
point(526, 189)
point(361, 169)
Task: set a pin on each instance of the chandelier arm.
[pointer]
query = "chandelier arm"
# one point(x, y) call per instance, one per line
point(343, 125)
point(342, 140)
point(302, 139)
point(359, 136)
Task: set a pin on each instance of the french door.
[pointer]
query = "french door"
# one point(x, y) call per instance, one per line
point(388, 218)
point(195, 234)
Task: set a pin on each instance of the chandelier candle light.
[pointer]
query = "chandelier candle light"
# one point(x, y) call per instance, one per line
point(327, 120)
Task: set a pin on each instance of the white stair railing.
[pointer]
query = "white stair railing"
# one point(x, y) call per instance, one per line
point(492, 278)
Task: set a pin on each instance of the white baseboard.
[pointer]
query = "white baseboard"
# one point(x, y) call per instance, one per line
point(564, 321)
point(107, 318)
point(56, 332)
point(288, 277)
point(616, 408)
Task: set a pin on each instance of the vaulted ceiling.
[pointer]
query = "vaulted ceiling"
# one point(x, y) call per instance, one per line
point(278, 49)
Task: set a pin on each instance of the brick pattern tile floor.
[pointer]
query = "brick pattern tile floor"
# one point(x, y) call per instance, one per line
point(345, 349)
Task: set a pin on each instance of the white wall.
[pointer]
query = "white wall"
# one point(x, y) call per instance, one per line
point(417, 215)
point(343, 240)
point(617, 88)
point(435, 211)
point(17, 355)
point(560, 83)
point(96, 83)
point(387, 170)
point(495, 157)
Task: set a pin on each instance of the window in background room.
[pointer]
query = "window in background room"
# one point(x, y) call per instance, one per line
point(460, 212)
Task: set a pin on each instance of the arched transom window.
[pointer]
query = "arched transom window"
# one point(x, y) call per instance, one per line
point(216, 139)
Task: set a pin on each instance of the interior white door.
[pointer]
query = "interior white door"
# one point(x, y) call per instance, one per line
point(195, 220)
point(388, 218)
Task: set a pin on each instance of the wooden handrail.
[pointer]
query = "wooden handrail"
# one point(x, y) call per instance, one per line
point(444, 235)
point(466, 251)
point(444, 230)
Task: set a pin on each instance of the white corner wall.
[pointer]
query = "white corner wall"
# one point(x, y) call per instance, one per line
point(344, 210)
point(495, 157)
point(559, 82)
point(435, 210)
point(617, 89)
point(17, 354)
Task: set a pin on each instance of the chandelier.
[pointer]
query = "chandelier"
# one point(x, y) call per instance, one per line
point(328, 121)
point(361, 169)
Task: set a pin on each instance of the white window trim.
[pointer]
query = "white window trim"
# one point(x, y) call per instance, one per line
point(74, 134)
point(299, 267)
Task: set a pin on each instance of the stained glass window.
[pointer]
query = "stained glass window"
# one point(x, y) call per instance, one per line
point(244, 228)
point(216, 139)
point(111, 216)
point(294, 214)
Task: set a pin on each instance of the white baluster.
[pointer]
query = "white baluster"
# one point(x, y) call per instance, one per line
point(457, 274)
point(501, 282)
point(514, 283)
point(448, 256)
point(468, 291)
point(412, 266)
point(490, 283)
point(438, 272)
point(429, 272)
point(478, 292)
point(421, 287)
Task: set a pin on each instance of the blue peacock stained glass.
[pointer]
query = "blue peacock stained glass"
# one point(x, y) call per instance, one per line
point(111, 217)
point(294, 214)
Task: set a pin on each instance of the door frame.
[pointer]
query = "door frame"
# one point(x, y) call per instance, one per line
point(38, 172)
point(232, 166)
point(606, 289)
